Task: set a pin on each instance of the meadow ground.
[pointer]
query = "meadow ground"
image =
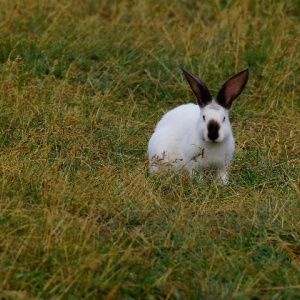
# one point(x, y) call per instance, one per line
point(83, 84)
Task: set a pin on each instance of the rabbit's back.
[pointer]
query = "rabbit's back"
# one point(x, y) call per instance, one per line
point(180, 118)
point(175, 139)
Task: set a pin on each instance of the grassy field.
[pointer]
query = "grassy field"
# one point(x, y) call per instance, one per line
point(83, 84)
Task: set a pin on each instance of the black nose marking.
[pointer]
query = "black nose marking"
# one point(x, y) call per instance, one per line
point(213, 130)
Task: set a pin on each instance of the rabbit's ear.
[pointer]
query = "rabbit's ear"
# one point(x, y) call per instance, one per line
point(198, 87)
point(232, 88)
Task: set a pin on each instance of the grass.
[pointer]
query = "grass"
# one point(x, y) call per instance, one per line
point(83, 84)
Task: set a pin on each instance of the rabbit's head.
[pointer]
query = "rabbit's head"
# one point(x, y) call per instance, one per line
point(214, 113)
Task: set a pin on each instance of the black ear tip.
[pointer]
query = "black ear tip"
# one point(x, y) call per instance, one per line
point(244, 73)
point(181, 66)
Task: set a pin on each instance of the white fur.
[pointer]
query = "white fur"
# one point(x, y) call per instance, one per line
point(180, 141)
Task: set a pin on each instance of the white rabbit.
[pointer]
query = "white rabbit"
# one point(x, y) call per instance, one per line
point(199, 137)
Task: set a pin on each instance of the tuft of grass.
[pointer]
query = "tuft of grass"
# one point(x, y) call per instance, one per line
point(82, 86)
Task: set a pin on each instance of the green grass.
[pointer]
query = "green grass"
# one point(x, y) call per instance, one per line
point(82, 85)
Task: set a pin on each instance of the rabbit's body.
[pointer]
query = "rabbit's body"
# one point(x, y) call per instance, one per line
point(194, 138)
point(192, 153)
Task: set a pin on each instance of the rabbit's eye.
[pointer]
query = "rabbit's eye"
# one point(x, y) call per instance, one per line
point(203, 118)
point(224, 119)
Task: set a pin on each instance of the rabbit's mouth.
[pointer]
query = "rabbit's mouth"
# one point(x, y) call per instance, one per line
point(209, 141)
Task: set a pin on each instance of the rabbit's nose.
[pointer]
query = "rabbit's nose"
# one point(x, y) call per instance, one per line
point(213, 130)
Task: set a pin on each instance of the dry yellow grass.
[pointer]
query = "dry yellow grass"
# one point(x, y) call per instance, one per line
point(83, 84)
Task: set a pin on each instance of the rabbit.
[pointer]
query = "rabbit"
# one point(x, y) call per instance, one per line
point(198, 137)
